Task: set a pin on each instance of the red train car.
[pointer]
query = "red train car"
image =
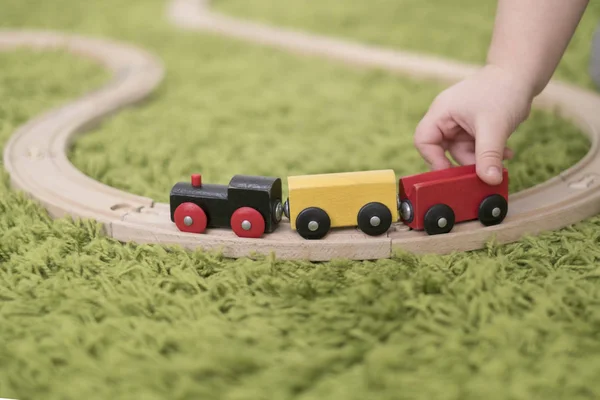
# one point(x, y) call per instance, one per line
point(434, 201)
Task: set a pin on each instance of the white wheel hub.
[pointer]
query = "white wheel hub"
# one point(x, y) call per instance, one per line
point(246, 225)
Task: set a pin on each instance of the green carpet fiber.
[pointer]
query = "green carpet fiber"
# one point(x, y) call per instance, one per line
point(85, 317)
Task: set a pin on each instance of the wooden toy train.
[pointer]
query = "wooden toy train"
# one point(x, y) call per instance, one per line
point(252, 205)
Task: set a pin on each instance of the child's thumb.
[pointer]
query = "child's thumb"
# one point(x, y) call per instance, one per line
point(489, 152)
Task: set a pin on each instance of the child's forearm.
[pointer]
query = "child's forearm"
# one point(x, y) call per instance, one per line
point(531, 36)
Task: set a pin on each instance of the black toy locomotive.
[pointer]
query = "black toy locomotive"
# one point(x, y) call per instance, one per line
point(249, 205)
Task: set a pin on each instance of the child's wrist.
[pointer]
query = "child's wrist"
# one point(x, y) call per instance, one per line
point(518, 78)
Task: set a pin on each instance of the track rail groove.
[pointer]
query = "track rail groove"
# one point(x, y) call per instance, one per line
point(35, 156)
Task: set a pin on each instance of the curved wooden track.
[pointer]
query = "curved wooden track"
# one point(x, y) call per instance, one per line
point(36, 159)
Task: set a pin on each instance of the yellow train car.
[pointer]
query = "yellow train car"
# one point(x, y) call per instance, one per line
point(317, 203)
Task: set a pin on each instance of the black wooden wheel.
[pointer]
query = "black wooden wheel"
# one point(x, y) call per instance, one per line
point(439, 219)
point(374, 219)
point(313, 223)
point(492, 210)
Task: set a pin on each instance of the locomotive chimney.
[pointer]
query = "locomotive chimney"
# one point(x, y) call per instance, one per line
point(196, 180)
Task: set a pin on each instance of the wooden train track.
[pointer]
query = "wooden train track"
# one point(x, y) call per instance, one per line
point(35, 156)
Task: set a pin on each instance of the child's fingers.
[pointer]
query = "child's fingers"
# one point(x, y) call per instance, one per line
point(490, 145)
point(463, 152)
point(429, 142)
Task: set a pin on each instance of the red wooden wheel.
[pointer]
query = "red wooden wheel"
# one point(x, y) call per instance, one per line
point(190, 217)
point(247, 222)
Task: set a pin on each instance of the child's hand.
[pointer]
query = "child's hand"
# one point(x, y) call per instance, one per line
point(473, 120)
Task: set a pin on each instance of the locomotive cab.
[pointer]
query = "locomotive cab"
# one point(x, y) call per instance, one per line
point(262, 194)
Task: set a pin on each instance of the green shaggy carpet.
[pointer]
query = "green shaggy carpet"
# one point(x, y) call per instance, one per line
point(85, 317)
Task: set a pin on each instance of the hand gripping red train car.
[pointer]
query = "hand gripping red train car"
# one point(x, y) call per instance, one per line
point(372, 201)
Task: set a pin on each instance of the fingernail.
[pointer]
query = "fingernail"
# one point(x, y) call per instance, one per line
point(493, 171)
